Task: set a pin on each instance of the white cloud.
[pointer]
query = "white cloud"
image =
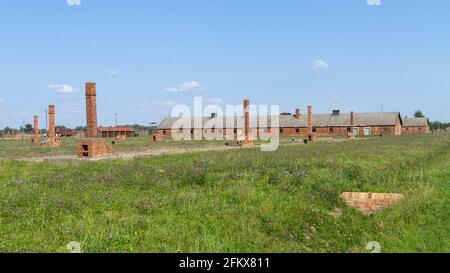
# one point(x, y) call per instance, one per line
point(73, 2)
point(63, 88)
point(374, 2)
point(214, 101)
point(319, 65)
point(191, 86)
point(335, 97)
point(112, 72)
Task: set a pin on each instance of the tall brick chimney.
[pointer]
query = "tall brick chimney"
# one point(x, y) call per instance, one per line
point(36, 127)
point(298, 113)
point(352, 125)
point(247, 120)
point(91, 109)
point(51, 123)
point(310, 120)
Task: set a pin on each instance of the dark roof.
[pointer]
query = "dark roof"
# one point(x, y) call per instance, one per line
point(416, 122)
point(115, 129)
point(289, 121)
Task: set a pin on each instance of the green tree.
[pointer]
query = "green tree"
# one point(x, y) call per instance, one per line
point(419, 114)
point(28, 128)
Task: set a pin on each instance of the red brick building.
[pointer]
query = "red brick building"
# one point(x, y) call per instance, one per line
point(414, 126)
point(323, 125)
point(113, 132)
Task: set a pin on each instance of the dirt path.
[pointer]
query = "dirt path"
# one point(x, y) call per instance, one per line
point(131, 155)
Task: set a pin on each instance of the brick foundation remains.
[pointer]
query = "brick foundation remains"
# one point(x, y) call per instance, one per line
point(93, 147)
point(369, 203)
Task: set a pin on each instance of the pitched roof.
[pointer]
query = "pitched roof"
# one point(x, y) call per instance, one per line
point(416, 122)
point(287, 121)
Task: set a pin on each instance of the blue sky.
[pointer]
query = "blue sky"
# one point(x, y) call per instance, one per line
point(148, 55)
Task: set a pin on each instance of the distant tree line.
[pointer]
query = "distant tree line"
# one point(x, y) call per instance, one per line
point(437, 125)
point(28, 129)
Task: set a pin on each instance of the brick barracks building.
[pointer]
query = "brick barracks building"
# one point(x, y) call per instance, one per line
point(414, 126)
point(336, 124)
point(113, 132)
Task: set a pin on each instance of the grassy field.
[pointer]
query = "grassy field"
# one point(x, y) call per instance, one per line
point(13, 148)
point(232, 201)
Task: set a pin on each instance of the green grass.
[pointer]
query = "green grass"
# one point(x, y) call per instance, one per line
point(13, 148)
point(233, 201)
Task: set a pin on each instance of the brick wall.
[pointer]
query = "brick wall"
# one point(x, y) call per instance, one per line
point(369, 203)
point(408, 130)
point(91, 148)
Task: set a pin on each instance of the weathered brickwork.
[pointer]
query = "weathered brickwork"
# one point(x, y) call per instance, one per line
point(310, 127)
point(91, 109)
point(369, 203)
point(52, 140)
point(413, 130)
point(93, 147)
point(36, 137)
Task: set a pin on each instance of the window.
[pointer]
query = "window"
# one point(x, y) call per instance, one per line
point(314, 130)
point(385, 129)
point(192, 131)
point(164, 132)
point(281, 130)
point(420, 128)
point(235, 131)
point(349, 130)
point(297, 130)
point(331, 130)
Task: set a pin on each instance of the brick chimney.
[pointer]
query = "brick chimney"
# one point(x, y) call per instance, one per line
point(247, 120)
point(298, 113)
point(51, 123)
point(36, 127)
point(310, 120)
point(91, 109)
point(352, 125)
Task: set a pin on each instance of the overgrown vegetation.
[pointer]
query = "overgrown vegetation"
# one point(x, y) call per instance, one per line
point(233, 201)
point(13, 149)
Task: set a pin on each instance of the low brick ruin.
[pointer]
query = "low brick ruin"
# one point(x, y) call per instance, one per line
point(158, 137)
point(92, 146)
point(370, 203)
